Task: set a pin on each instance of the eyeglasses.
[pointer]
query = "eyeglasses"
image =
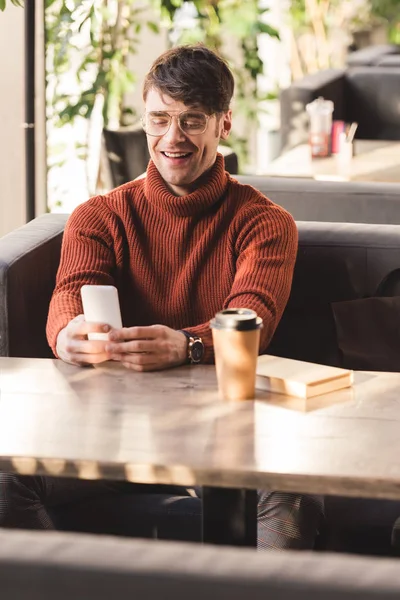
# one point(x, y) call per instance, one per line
point(192, 122)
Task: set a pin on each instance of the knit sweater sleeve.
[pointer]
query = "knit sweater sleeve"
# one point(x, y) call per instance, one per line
point(266, 248)
point(87, 257)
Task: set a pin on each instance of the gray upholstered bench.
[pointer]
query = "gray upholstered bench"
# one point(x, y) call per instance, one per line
point(60, 566)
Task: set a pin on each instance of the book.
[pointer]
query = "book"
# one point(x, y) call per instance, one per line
point(299, 378)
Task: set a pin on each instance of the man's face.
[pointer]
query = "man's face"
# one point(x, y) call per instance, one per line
point(182, 158)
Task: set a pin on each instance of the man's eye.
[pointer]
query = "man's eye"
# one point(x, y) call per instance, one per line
point(193, 122)
point(159, 121)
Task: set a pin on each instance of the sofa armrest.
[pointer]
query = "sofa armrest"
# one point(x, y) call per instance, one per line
point(29, 258)
point(294, 120)
point(371, 55)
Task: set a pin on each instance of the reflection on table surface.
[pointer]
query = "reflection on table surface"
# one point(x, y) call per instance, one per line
point(171, 427)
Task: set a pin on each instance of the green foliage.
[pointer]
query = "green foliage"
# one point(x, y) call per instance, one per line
point(315, 25)
point(15, 2)
point(242, 22)
point(112, 28)
point(102, 70)
point(389, 11)
point(374, 11)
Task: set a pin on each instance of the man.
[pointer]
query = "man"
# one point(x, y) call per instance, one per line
point(180, 244)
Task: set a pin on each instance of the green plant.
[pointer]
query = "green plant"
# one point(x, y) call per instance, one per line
point(102, 73)
point(311, 26)
point(15, 2)
point(389, 12)
point(88, 43)
point(317, 26)
point(217, 21)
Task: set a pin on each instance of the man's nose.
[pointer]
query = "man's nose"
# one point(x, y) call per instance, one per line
point(175, 133)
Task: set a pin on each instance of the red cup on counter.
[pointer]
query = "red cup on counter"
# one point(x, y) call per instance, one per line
point(338, 127)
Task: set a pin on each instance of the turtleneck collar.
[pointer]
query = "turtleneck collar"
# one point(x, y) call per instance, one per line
point(204, 197)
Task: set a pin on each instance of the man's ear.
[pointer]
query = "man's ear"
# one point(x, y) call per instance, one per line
point(226, 124)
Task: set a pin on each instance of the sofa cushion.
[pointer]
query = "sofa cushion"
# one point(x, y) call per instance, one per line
point(338, 263)
point(373, 100)
point(371, 55)
point(391, 60)
point(47, 565)
point(343, 202)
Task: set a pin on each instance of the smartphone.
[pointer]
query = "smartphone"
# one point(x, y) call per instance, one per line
point(101, 305)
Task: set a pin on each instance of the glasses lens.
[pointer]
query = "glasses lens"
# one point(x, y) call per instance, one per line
point(156, 123)
point(193, 122)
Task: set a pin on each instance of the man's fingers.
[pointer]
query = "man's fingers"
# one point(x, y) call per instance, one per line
point(82, 358)
point(86, 347)
point(137, 333)
point(78, 318)
point(136, 346)
point(74, 347)
point(79, 327)
point(137, 359)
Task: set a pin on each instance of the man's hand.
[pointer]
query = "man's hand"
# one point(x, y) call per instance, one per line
point(73, 346)
point(149, 348)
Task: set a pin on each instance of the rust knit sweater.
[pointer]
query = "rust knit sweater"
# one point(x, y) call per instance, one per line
point(178, 260)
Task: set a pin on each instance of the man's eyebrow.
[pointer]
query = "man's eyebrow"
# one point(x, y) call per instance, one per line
point(167, 112)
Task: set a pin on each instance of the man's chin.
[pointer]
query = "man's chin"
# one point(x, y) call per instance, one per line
point(178, 179)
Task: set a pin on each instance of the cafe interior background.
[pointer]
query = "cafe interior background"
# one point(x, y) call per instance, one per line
point(90, 58)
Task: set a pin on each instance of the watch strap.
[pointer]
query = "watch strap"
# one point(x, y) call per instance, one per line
point(191, 340)
point(186, 334)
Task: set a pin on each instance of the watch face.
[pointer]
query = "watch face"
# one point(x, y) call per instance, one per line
point(196, 351)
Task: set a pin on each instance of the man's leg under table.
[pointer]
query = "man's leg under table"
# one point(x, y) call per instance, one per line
point(266, 520)
point(108, 507)
point(230, 516)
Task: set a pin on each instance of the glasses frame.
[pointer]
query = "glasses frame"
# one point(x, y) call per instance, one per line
point(178, 117)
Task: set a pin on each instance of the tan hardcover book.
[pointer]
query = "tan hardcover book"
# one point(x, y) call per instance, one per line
point(299, 378)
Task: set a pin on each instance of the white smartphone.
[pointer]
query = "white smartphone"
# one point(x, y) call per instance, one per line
point(101, 305)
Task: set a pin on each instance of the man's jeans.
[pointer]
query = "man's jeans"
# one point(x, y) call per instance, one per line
point(166, 512)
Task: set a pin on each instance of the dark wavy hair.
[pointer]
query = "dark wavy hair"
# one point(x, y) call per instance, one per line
point(194, 75)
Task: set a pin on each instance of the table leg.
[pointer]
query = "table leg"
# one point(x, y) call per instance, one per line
point(229, 516)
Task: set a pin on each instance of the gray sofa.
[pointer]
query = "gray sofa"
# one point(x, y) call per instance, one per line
point(338, 265)
point(56, 566)
point(377, 55)
point(343, 202)
point(344, 310)
point(368, 95)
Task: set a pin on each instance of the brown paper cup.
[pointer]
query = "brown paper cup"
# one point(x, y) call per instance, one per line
point(236, 353)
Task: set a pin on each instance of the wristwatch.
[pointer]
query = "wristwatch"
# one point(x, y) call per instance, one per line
point(195, 348)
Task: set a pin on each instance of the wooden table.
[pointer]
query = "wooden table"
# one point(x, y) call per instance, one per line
point(372, 161)
point(170, 427)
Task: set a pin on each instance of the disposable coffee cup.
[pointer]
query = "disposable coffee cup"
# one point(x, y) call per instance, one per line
point(236, 338)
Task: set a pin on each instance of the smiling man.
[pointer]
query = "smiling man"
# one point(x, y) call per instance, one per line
point(183, 143)
point(180, 244)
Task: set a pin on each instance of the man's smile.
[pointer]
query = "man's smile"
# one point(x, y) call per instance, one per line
point(176, 154)
point(177, 158)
